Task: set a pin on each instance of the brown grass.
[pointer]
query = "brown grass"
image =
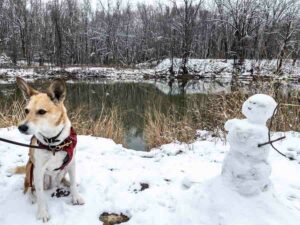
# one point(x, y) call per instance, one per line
point(164, 128)
point(108, 124)
point(211, 115)
point(229, 106)
point(11, 115)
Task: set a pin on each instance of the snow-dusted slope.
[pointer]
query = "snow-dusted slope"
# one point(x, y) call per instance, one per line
point(184, 186)
point(9, 74)
point(225, 68)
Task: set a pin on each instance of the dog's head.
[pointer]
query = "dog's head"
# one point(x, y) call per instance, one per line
point(45, 111)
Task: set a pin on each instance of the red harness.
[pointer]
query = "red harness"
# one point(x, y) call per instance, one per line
point(68, 145)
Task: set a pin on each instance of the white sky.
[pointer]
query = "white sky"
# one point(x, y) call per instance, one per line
point(95, 3)
point(133, 3)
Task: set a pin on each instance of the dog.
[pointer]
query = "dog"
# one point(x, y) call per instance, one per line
point(48, 123)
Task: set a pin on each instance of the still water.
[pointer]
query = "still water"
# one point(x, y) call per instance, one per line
point(133, 98)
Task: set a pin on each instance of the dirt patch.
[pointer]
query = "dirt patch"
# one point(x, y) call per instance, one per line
point(112, 218)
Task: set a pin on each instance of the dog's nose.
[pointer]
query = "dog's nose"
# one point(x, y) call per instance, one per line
point(23, 128)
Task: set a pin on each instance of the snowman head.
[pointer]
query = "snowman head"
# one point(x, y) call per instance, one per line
point(259, 108)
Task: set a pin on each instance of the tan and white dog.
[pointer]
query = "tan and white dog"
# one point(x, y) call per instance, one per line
point(47, 120)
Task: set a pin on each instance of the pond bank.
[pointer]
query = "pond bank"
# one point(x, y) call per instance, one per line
point(197, 68)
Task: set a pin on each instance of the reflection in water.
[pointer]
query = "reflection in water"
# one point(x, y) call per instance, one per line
point(133, 99)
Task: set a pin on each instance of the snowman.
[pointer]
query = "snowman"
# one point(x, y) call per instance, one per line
point(246, 165)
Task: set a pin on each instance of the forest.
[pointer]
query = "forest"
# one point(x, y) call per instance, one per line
point(72, 32)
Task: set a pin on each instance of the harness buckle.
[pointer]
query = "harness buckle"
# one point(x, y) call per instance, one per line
point(53, 149)
point(59, 147)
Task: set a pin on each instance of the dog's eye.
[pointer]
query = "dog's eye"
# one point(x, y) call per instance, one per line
point(41, 112)
point(26, 111)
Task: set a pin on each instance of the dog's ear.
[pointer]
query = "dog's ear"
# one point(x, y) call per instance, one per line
point(57, 90)
point(25, 88)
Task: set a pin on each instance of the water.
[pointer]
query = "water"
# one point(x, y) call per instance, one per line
point(133, 98)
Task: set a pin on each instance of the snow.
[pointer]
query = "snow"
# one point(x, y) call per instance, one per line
point(74, 72)
point(225, 68)
point(201, 68)
point(185, 186)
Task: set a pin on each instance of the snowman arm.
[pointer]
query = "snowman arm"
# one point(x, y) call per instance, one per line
point(271, 141)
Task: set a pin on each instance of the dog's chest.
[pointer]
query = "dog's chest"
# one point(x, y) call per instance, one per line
point(49, 161)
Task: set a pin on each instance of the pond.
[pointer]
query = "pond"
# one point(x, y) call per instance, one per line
point(134, 98)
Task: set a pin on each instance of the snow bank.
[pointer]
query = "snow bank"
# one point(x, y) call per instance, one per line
point(204, 68)
point(184, 186)
point(225, 68)
point(74, 73)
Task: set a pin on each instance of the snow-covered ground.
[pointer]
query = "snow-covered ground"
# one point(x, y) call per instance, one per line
point(9, 74)
point(206, 68)
point(225, 68)
point(185, 186)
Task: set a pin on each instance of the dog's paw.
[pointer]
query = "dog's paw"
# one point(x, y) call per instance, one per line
point(43, 215)
point(32, 196)
point(77, 200)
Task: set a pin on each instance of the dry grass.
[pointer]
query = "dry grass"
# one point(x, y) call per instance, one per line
point(161, 128)
point(11, 115)
point(164, 126)
point(108, 124)
point(211, 114)
point(229, 106)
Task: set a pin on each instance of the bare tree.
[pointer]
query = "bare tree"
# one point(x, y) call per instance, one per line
point(187, 28)
point(72, 32)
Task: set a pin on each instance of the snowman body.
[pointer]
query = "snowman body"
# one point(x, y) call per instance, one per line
point(246, 165)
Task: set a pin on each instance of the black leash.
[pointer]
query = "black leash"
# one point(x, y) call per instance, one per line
point(49, 141)
point(23, 145)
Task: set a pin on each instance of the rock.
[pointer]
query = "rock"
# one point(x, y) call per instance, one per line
point(143, 186)
point(112, 218)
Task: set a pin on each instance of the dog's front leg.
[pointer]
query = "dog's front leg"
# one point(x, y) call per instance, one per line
point(76, 198)
point(38, 174)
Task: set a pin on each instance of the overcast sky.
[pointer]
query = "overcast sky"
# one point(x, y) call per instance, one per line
point(96, 3)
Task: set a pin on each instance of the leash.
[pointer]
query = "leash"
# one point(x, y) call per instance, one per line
point(23, 145)
point(48, 147)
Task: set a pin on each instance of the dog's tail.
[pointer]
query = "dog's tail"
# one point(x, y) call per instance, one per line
point(19, 170)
